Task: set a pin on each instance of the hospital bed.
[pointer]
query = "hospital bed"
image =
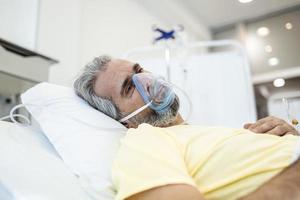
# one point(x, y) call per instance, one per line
point(31, 169)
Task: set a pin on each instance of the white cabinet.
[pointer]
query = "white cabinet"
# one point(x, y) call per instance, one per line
point(18, 22)
point(20, 69)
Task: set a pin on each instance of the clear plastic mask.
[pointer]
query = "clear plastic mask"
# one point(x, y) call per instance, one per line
point(155, 91)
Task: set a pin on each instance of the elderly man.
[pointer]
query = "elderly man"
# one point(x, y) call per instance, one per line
point(166, 160)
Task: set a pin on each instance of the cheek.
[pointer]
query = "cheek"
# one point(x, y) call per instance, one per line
point(136, 97)
point(131, 104)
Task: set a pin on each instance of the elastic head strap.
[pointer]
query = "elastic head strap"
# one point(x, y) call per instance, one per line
point(135, 112)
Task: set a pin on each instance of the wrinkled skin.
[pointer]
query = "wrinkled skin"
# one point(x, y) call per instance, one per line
point(272, 125)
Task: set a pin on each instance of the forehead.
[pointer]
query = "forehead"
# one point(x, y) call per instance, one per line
point(120, 65)
point(109, 81)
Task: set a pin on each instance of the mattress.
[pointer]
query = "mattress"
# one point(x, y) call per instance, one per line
point(30, 168)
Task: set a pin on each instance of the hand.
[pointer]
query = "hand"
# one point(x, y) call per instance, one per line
point(272, 125)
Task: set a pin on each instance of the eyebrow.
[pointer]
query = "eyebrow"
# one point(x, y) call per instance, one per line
point(136, 67)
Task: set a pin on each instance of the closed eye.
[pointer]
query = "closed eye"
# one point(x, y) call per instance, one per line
point(128, 87)
point(131, 88)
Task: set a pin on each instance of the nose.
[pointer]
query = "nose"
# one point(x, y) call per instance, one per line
point(145, 79)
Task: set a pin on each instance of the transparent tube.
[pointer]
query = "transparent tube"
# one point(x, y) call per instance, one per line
point(188, 100)
point(291, 119)
point(12, 116)
point(168, 61)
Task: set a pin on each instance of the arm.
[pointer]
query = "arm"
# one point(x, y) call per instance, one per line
point(271, 125)
point(174, 192)
point(285, 186)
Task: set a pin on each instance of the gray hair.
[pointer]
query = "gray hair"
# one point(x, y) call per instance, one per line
point(84, 87)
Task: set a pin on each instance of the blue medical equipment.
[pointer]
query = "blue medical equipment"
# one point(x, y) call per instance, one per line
point(154, 89)
point(166, 35)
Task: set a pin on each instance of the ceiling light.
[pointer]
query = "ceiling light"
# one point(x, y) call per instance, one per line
point(263, 31)
point(268, 48)
point(288, 26)
point(245, 1)
point(253, 44)
point(279, 82)
point(273, 61)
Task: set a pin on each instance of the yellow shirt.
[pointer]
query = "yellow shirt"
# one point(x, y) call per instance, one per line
point(223, 163)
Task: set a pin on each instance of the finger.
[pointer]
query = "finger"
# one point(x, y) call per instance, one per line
point(278, 130)
point(246, 126)
point(265, 127)
point(269, 119)
point(258, 123)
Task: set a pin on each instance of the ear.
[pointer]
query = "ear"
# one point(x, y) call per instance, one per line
point(125, 124)
point(130, 124)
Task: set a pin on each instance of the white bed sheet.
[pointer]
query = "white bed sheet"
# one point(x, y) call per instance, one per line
point(31, 169)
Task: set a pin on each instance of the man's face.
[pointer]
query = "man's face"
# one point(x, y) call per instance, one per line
point(115, 83)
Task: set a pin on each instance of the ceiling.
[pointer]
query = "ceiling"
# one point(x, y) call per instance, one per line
point(219, 13)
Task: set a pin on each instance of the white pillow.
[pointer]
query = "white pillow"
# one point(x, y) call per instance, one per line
point(85, 138)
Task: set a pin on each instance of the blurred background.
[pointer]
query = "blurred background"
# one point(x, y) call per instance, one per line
point(51, 40)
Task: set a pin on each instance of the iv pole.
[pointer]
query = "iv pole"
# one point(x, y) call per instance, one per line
point(166, 36)
point(168, 61)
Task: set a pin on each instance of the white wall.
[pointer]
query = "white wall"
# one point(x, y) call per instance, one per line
point(59, 37)
point(175, 12)
point(113, 27)
point(75, 31)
